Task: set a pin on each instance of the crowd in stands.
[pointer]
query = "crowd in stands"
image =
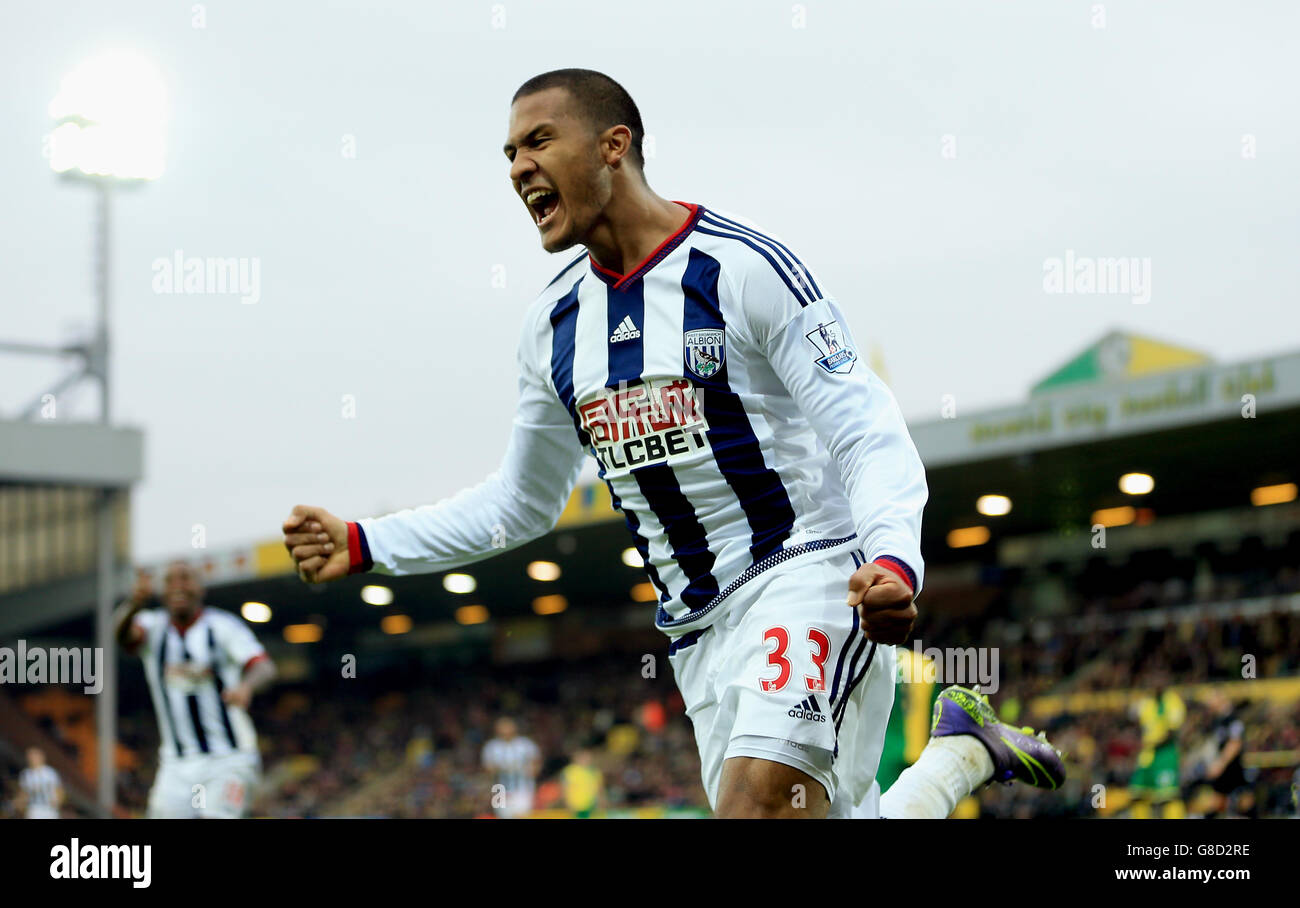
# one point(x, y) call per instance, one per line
point(410, 745)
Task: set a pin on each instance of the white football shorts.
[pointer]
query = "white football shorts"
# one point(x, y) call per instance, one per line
point(787, 675)
point(517, 802)
point(206, 787)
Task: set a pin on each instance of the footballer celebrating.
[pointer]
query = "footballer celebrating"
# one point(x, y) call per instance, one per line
point(765, 474)
point(203, 666)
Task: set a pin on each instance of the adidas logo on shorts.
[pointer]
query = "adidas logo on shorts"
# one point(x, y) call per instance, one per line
point(626, 330)
point(809, 710)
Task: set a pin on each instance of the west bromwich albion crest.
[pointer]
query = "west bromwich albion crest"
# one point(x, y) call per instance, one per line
point(705, 351)
point(836, 354)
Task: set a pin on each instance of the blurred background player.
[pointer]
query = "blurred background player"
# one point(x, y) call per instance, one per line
point(583, 784)
point(514, 762)
point(40, 792)
point(1226, 772)
point(1155, 781)
point(203, 666)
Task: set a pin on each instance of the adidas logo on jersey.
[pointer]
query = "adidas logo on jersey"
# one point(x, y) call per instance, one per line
point(809, 710)
point(625, 331)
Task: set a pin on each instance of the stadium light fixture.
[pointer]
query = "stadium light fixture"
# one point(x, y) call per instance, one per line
point(1275, 494)
point(1115, 517)
point(303, 633)
point(109, 121)
point(110, 113)
point(459, 583)
point(965, 537)
point(993, 505)
point(374, 594)
point(256, 612)
point(644, 592)
point(632, 558)
point(471, 614)
point(1136, 483)
point(544, 570)
point(550, 605)
point(396, 624)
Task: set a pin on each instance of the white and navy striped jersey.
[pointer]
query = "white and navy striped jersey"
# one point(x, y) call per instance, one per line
point(187, 670)
point(40, 785)
point(720, 391)
point(511, 761)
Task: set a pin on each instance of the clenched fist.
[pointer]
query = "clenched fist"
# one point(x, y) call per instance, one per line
point(318, 543)
point(884, 604)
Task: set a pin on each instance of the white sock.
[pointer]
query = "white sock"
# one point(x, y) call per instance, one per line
point(949, 769)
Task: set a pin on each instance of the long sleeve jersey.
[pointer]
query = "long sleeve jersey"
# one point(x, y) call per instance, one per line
point(721, 393)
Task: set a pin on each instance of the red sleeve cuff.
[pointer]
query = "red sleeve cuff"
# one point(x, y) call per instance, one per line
point(898, 567)
point(358, 550)
point(260, 657)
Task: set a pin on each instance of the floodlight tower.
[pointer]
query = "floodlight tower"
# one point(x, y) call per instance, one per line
point(109, 118)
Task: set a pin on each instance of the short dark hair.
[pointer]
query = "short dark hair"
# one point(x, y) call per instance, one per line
point(600, 101)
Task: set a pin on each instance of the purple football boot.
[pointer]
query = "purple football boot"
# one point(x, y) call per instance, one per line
point(1018, 754)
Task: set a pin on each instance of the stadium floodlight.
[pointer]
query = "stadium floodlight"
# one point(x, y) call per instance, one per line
point(303, 633)
point(632, 558)
point(644, 592)
point(1281, 493)
point(396, 624)
point(544, 570)
point(993, 505)
point(550, 605)
point(1115, 517)
point(459, 583)
point(1136, 483)
point(110, 113)
point(965, 537)
point(472, 614)
point(256, 612)
point(374, 594)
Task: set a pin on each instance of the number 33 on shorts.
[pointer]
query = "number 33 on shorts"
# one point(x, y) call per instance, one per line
point(819, 649)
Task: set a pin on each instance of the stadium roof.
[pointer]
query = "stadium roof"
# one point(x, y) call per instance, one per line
point(1100, 395)
point(1121, 355)
point(52, 477)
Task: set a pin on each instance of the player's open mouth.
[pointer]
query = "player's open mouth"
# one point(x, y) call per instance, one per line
point(543, 203)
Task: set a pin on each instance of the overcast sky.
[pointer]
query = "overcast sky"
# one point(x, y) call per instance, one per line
point(924, 158)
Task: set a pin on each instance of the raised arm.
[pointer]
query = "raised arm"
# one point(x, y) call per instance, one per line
point(126, 630)
point(242, 649)
point(521, 501)
point(807, 341)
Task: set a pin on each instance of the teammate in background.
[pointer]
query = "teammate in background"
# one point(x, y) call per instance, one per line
point(203, 666)
point(1155, 780)
point(40, 792)
point(514, 762)
point(763, 472)
point(583, 785)
point(1226, 773)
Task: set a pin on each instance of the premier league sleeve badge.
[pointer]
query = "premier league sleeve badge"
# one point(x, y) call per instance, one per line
point(836, 354)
